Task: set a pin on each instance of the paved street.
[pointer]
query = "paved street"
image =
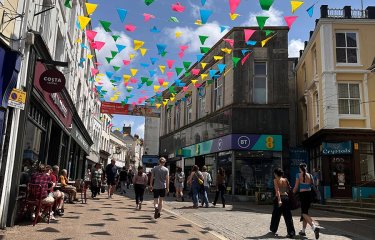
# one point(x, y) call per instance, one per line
point(117, 219)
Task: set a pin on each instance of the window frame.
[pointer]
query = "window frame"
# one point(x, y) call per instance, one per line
point(188, 110)
point(201, 102)
point(266, 76)
point(358, 63)
point(177, 123)
point(316, 107)
point(169, 120)
point(349, 98)
point(363, 152)
point(218, 87)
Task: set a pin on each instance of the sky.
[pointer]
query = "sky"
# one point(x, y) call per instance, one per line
point(163, 33)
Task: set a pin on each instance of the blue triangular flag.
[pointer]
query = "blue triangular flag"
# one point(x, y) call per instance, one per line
point(252, 43)
point(213, 72)
point(161, 48)
point(117, 78)
point(182, 84)
point(203, 2)
point(310, 10)
point(120, 47)
point(154, 30)
point(223, 28)
point(109, 74)
point(78, 25)
point(221, 67)
point(122, 14)
point(152, 73)
point(99, 88)
point(177, 81)
point(145, 65)
point(83, 46)
point(199, 57)
point(152, 101)
point(244, 51)
point(140, 85)
point(153, 60)
point(205, 14)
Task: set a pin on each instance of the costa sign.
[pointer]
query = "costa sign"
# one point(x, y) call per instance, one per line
point(52, 81)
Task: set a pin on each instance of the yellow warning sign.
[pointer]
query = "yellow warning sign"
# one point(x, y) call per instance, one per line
point(17, 99)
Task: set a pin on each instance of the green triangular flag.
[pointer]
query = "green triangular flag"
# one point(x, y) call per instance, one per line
point(114, 53)
point(144, 80)
point(149, 83)
point(169, 107)
point(261, 21)
point(210, 81)
point(115, 37)
point(129, 90)
point(205, 49)
point(187, 74)
point(173, 19)
point(112, 81)
point(266, 4)
point(203, 39)
point(68, 4)
point(106, 25)
point(109, 59)
point(160, 98)
point(163, 53)
point(235, 61)
point(116, 68)
point(123, 103)
point(178, 70)
point(186, 65)
point(171, 90)
point(148, 2)
point(268, 32)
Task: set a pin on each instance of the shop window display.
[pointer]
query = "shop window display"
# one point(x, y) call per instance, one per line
point(367, 161)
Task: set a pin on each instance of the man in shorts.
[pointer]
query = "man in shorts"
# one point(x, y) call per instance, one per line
point(111, 173)
point(159, 184)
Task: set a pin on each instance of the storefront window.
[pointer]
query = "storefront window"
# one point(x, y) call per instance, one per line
point(366, 153)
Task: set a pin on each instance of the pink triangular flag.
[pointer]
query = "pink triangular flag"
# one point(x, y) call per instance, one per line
point(140, 100)
point(169, 75)
point(94, 71)
point(290, 20)
point(133, 80)
point(177, 7)
point(161, 81)
point(97, 45)
point(195, 71)
point(170, 63)
point(126, 84)
point(133, 103)
point(90, 35)
point(148, 16)
point(230, 41)
point(185, 88)
point(198, 85)
point(245, 58)
point(233, 4)
point(183, 47)
point(130, 28)
point(181, 54)
point(248, 34)
point(126, 62)
point(97, 63)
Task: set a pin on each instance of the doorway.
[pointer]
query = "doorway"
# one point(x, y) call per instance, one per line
point(341, 176)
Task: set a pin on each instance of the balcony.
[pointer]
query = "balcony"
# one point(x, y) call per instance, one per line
point(347, 13)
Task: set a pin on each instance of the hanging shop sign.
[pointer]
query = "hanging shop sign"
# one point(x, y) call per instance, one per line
point(127, 109)
point(337, 148)
point(52, 81)
point(17, 99)
point(77, 136)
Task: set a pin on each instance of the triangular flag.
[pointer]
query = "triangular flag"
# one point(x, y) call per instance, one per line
point(235, 61)
point(133, 71)
point(230, 41)
point(148, 2)
point(161, 48)
point(162, 69)
point(153, 60)
point(199, 57)
point(295, 5)
point(83, 21)
point(233, 4)
point(248, 34)
point(109, 59)
point(149, 83)
point(264, 42)
point(120, 47)
point(173, 19)
point(126, 62)
point(233, 16)
point(131, 56)
point(203, 2)
point(147, 17)
point(116, 68)
point(310, 10)
point(221, 67)
point(138, 44)
point(268, 32)
point(195, 71)
point(204, 76)
point(261, 21)
point(223, 28)
point(114, 53)
point(266, 4)
point(178, 34)
point(152, 73)
point(169, 75)
point(244, 51)
point(203, 39)
point(158, 105)
point(144, 79)
point(122, 14)
point(130, 27)
point(106, 25)
point(218, 58)
point(91, 7)
point(178, 70)
point(68, 4)
point(251, 43)
point(154, 29)
point(126, 77)
point(203, 65)
point(170, 63)
point(245, 58)
point(156, 88)
point(186, 65)
point(226, 50)
point(115, 37)
point(205, 49)
point(165, 84)
point(194, 81)
point(290, 20)
point(177, 7)
point(205, 14)
point(143, 51)
point(90, 35)
point(161, 81)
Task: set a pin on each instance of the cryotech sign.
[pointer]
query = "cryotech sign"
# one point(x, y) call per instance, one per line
point(248, 142)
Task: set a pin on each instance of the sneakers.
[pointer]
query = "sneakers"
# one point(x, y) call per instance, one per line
point(302, 233)
point(316, 231)
point(156, 213)
point(140, 206)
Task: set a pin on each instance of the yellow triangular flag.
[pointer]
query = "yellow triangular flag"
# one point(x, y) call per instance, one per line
point(89, 56)
point(156, 88)
point(131, 56)
point(295, 5)
point(91, 7)
point(165, 101)
point(172, 99)
point(126, 77)
point(233, 16)
point(203, 64)
point(194, 81)
point(218, 57)
point(133, 71)
point(162, 68)
point(117, 93)
point(198, 22)
point(143, 51)
point(264, 42)
point(100, 75)
point(226, 50)
point(138, 44)
point(165, 84)
point(178, 34)
point(83, 21)
point(112, 99)
point(78, 40)
point(204, 76)
point(158, 105)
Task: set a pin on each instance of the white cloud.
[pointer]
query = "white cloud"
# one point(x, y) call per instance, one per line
point(294, 46)
point(140, 130)
point(190, 36)
point(195, 8)
point(275, 18)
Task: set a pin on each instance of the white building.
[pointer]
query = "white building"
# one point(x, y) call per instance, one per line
point(118, 148)
point(152, 133)
point(105, 138)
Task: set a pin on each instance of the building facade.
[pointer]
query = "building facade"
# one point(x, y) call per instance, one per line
point(118, 148)
point(152, 133)
point(336, 108)
point(104, 152)
point(238, 118)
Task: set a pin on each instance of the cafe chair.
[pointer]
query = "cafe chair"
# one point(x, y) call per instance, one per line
point(81, 188)
point(34, 201)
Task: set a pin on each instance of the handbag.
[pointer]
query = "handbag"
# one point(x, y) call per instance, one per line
point(315, 196)
point(294, 202)
point(200, 181)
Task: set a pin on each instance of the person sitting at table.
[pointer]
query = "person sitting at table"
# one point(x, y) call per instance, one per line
point(57, 194)
point(65, 187)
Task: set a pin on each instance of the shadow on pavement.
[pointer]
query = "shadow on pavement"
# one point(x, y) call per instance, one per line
point(185, 225)
point(139, 228)
point(101, 233)
point(49, 229)
point(148, 236)
point(111, 219)
point(96, 224)
point(180, 231)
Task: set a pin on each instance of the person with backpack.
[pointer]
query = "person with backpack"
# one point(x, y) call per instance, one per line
point(195, 181)
point(140, 181)
point(207, 180)
point(304, 180)
point(123, 180)
point(179, 183)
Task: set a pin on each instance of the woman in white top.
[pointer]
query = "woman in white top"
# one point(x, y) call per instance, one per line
point(206, 186)
point(179, 183)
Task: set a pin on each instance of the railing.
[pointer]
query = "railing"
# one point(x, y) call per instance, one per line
point(371, 180)
point(335, 13)
point(340, 13)
point(358, 13)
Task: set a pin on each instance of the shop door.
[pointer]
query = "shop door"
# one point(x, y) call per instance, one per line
point(341, 175)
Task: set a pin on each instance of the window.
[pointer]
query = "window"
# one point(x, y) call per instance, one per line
point(366, 154)
point(178, 115)
point(189, 110)
point(346, 47)
point(201, 101)
point(218, 93)
point(59, 49)
point(260, 83)
point(304, 75)
point(315, 64)
point(169, 120)
point(349, 98)
point(316, 101)
point(45, 21)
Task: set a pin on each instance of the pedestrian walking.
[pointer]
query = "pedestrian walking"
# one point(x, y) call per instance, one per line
point(140, 181)
point(195, 181)
point(130, 178)
point(96, 179)
point(159, 184)
point(220, 187)
point(179, 183)
point(304, 180)
point(207, 180)
point(111, 173)
point(123, 180)
point(281, 205)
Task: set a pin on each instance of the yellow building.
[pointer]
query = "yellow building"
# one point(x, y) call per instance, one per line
point(336, 101)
